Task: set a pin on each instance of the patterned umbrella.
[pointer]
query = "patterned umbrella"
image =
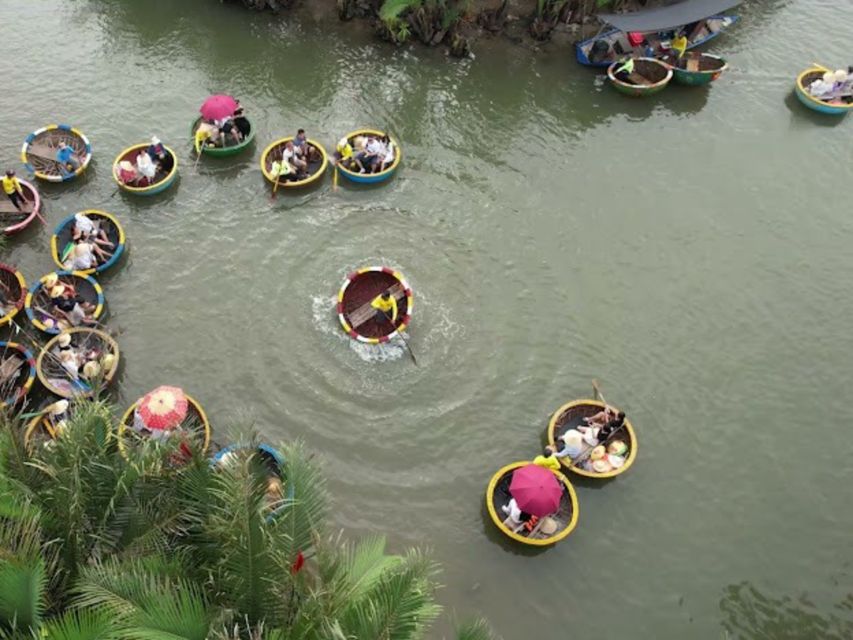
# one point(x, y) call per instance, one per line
point(162, 409)
point(218, 107)
point(536, 490)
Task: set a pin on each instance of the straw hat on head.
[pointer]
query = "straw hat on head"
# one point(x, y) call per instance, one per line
point(601, 466)
point(615, 461)
point(64, 339)
point(108, 361)
point(829, 77)
point(840, 75)
point(617, 447)
point(58, 408)
point(548, 526)
point(50, 280)
point(91, 369)
point(155, 140)
point(57, 291)
point(573, 438)
point(597, 453)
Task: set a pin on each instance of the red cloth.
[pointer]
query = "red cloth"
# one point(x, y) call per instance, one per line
point(636, 39)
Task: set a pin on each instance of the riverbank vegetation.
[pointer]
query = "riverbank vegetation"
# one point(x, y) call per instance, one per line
point(165, 545)
point(457, 23)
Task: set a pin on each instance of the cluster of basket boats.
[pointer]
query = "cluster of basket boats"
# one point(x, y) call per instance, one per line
point(560, 517)
point(646, 38)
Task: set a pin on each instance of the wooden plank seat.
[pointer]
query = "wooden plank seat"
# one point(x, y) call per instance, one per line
point(6, 206)
point(365, 312)
point(639, 79)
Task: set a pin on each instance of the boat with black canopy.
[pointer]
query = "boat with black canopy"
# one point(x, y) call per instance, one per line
point(649, 32)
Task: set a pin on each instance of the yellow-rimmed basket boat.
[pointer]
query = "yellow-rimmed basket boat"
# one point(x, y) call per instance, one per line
point(355, 313)
point(371, 178)
point(41, 147)
point(316, 166)
point(17, 373)
point(43, 428)
point(837, 106)
point(566, 519)
point(62, 240)
point(96, 346)
point(196, 422)
point(570, 416)
point(161, 181)
point(14, 295)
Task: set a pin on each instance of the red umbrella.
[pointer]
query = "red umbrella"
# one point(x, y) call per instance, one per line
point(162, 409)
point(536, 490)
point(218, 107)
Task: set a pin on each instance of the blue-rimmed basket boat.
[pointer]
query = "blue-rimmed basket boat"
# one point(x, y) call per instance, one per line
point(218, 151)
point(59, 381)
point(836, 107)
point(565, 519)
point(695, 69)
point(64, 233)
point(371, 178)
point(161, 181)
point(17, 373)
point(195, 423)
point(706, 18)
point(273, 464)
point(38, 302)
point(650, 76)
point(15, 298)
point(356, 315)
point(14, 221)
point(316, 167)
point(40, 147)
point(570, 416)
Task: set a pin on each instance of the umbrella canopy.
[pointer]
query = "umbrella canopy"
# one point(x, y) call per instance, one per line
point(218, 107)
point(162, 409)
point(536, 490)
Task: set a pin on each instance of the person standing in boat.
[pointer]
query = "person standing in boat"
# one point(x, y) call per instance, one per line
point(679, 46)
point(13, 190)
point(547, 460)
point(384, 303)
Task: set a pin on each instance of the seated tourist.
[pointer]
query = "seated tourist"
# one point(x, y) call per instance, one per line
point(155, 148)
point(515, 515)
point(344, 153)
point(388, 156)
point(573, 444)
point(282, 170)
point(84, 256)
point(90, 230)
point(72, 311)
point(547, 460)
point(300, 144)
point(145, 166)
point(291, 156)
point(68, 160)
point(164, 161)
point(602, 417)
point(127, 173)
point(623, 72)
point(207, 133)
point(241, 122)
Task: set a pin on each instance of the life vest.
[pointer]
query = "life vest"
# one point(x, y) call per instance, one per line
point(531, 524)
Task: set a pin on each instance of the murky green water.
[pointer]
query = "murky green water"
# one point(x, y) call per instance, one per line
point(692, 252)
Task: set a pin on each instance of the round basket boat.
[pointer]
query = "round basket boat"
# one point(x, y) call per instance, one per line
point(358, 317)
point(650, 76)
point(42, 429)
point(570, 416)
point(219, 151)
point(39, 152)
point(196, 423)
point(836, 107)
point(316, 167)
point(12, 220)
point(13, 293)
point(273, 464)
point(62, 240)
point(142, 186)
point(695, 69)
point(17, 373)
point(566, 518)
point(39, 306)
point(371, 178)
point(96, 345)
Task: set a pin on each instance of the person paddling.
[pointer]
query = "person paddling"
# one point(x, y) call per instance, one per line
point(384, 303)
point(623, 72)
point(13, 190)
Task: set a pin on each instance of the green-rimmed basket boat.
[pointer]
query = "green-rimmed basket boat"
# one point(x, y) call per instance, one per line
point(696, 69)
point(230, 150)
point(650, 76)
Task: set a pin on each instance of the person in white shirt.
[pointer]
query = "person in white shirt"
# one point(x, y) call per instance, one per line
point(515, 514)
point(291, 156)
point(388, 156)
point(87, 229)
point(84, 257)
point(145, 165)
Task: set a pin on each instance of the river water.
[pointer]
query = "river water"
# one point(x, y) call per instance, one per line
point(691, 251)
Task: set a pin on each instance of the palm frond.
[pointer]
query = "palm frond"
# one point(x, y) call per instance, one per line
point(475, 630)
point(393, 9)
point(90, 624)
point(24, 571)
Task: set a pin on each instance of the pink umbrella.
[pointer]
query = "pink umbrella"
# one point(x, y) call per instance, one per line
point(536, 490)
point(218, 107)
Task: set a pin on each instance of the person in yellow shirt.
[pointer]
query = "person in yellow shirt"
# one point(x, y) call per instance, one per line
point(344, 153)
point(547, 460)
point(384, 303)
point(679, 45)
point(13, 190)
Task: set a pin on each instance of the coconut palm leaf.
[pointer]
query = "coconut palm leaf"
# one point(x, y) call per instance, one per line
point(475, 630)
point(393, 9)
point(24, 571)
point(90, 624)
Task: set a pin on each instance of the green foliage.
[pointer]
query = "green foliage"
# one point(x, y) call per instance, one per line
point(96, 546)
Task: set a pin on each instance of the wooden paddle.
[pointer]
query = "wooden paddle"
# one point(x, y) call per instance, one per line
point(403, 336)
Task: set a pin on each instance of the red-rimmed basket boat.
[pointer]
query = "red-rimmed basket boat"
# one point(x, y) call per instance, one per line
point(14, 221)
point(13, 292)
point(359, 319)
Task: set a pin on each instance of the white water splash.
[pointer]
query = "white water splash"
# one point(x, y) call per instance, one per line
point(326, 320)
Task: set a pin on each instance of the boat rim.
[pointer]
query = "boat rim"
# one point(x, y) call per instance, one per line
point(802, 90)
point(299, 183)
point(119, 249)
point(168, 178)
point(659, 83)
point(381, 174)
point(123, 426)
